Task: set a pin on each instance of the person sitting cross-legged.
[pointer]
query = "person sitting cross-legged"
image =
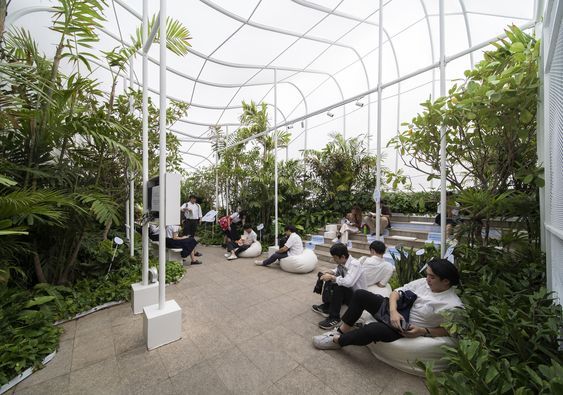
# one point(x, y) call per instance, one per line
point(434, 295)
point(292, 247)
point(186, 243)
point(344, 280)
point(235, 248)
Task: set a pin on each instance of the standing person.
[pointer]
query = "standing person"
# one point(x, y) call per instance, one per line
point(344, 280)
point(236, 247)
point(192, 214)
point(293, 246)
point(238, 217)
point(186, 243)
point(434, 295)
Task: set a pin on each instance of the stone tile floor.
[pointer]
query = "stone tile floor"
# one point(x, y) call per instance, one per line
point(246, 329)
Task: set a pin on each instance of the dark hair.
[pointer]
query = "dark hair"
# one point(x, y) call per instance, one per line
point(247, 226)
point(192, 196)
point(339, 250)
point(291, 228)
point(378, 247)
point(444, 269)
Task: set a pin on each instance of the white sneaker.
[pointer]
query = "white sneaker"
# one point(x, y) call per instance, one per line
point(232, 257)
point(336, 240)
point(228, 254)
point(258, 263)
point(325, 341)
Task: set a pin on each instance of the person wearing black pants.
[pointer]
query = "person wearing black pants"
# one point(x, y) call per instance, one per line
point(348, 277)
point(434, 296)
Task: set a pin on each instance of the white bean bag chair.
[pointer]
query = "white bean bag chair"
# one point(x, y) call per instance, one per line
point(253, 251)
point(403, 354)
point(304, 263)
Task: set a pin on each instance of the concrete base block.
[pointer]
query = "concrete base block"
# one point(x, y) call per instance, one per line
point(164, 326)
point(143, 295)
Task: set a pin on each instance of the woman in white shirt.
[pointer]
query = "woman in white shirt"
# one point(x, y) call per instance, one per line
point(434, 296)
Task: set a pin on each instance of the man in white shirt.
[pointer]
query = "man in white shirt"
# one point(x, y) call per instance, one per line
point(192, 214)
point(292, 247)
point(377, 270)
point(344, 280)
point(434, 295)
point(243, 244)
point(186, 243)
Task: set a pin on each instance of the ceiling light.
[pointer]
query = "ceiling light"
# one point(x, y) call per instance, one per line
point(330, 114)
point(359, 104)
point(302, 124)
point(290, 126)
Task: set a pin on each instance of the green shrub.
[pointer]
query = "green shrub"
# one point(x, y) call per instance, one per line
point(509, 328)
point(408, 264)
point(27, 331)
point(412, 202)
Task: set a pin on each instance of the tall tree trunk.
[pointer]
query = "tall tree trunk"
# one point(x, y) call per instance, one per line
point(106, 230)
point(3, 9)
point(38, 269)
point(72, 260)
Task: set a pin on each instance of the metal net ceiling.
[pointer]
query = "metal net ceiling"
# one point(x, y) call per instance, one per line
point(323, 52)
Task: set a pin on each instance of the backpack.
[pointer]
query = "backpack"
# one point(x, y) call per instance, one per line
point(225, 222)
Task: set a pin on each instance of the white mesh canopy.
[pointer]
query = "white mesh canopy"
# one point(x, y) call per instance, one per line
point(324, 52)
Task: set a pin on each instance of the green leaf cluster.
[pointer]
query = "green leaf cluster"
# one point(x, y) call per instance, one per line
point(509, 330)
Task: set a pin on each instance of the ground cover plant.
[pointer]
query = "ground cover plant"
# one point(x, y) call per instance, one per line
point(67, 149)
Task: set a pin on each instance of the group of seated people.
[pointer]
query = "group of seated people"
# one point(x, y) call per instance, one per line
point(356, 220)
point(410, 311)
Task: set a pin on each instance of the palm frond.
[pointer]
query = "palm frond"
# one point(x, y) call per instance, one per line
point(103, 207)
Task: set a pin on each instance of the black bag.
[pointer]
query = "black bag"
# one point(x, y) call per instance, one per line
point(404, 304)
point(327, 287)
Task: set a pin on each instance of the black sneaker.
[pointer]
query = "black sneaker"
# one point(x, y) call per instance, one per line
point(329, 323)
point(320, 309)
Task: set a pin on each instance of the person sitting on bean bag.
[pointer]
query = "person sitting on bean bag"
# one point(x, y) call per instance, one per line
point(434, 295)
point(235, 248)
point(340, 285)
point(377, 270)
point(293, 246)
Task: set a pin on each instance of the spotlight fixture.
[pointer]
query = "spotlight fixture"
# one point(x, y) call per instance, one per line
point(359, 104)
point(302, 124)
point(330, 114)
point(290, 126)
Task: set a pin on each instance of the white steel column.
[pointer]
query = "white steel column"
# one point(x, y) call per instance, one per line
point(162, 163)
point(379, 91)
point(145, 139)
point(442, 134)
point(131, 175)
point(276, 157)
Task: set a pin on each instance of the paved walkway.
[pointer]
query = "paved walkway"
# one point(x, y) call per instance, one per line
point(246, 330)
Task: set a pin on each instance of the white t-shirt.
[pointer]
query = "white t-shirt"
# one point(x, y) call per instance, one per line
point(294, 244)
point(428, 306)
point(355, 277)
point(170, 230)
point(235, 218)
point(249, 238)
point(195, 213)
point(377, 270)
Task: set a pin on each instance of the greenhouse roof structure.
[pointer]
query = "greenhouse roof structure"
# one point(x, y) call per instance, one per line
point(323, 57)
